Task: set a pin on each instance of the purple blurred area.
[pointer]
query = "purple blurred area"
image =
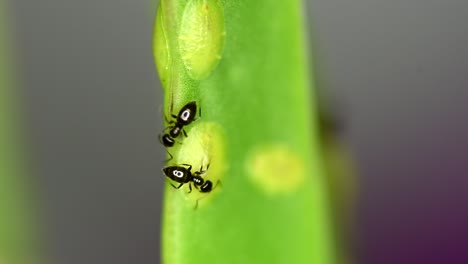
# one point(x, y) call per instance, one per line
point(400, 67)
point(93, 99)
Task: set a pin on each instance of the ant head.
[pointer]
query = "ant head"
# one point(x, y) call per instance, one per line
point(177, 173)
point(166, 140)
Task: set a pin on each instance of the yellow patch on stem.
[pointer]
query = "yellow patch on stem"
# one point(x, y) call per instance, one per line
point(161, 48)
point(276, 169)
point(201, 39)
point(204, 146)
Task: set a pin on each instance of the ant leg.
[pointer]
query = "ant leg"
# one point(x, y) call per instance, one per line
point(179, 142)
point(172, 101)
point(196, 203)
point(218, 183)
point(169, 127)
point(170, 122)
point(185, 133)
point(202, 171)
point(170, 156)
point(165, 118)
point(190, 187)
point(199, 114)
point(161, 111)
point(176, 187)
point(189, 166)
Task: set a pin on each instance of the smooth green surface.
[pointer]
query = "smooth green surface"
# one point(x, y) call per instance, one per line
point(16, 232)
point(259, 96)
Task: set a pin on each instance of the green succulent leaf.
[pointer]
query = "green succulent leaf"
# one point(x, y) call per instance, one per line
point(245, 65)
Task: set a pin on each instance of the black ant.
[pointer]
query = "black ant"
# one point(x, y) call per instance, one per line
point(182, 174)
point(185, 117)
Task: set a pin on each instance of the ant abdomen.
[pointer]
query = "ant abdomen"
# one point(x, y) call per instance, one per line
point(207, 187)
point(167, 140)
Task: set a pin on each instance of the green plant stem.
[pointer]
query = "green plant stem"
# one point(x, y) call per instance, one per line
point(256, 104)
point(17, 244)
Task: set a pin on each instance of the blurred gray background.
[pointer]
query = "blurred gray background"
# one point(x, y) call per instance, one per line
point(92, 100)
